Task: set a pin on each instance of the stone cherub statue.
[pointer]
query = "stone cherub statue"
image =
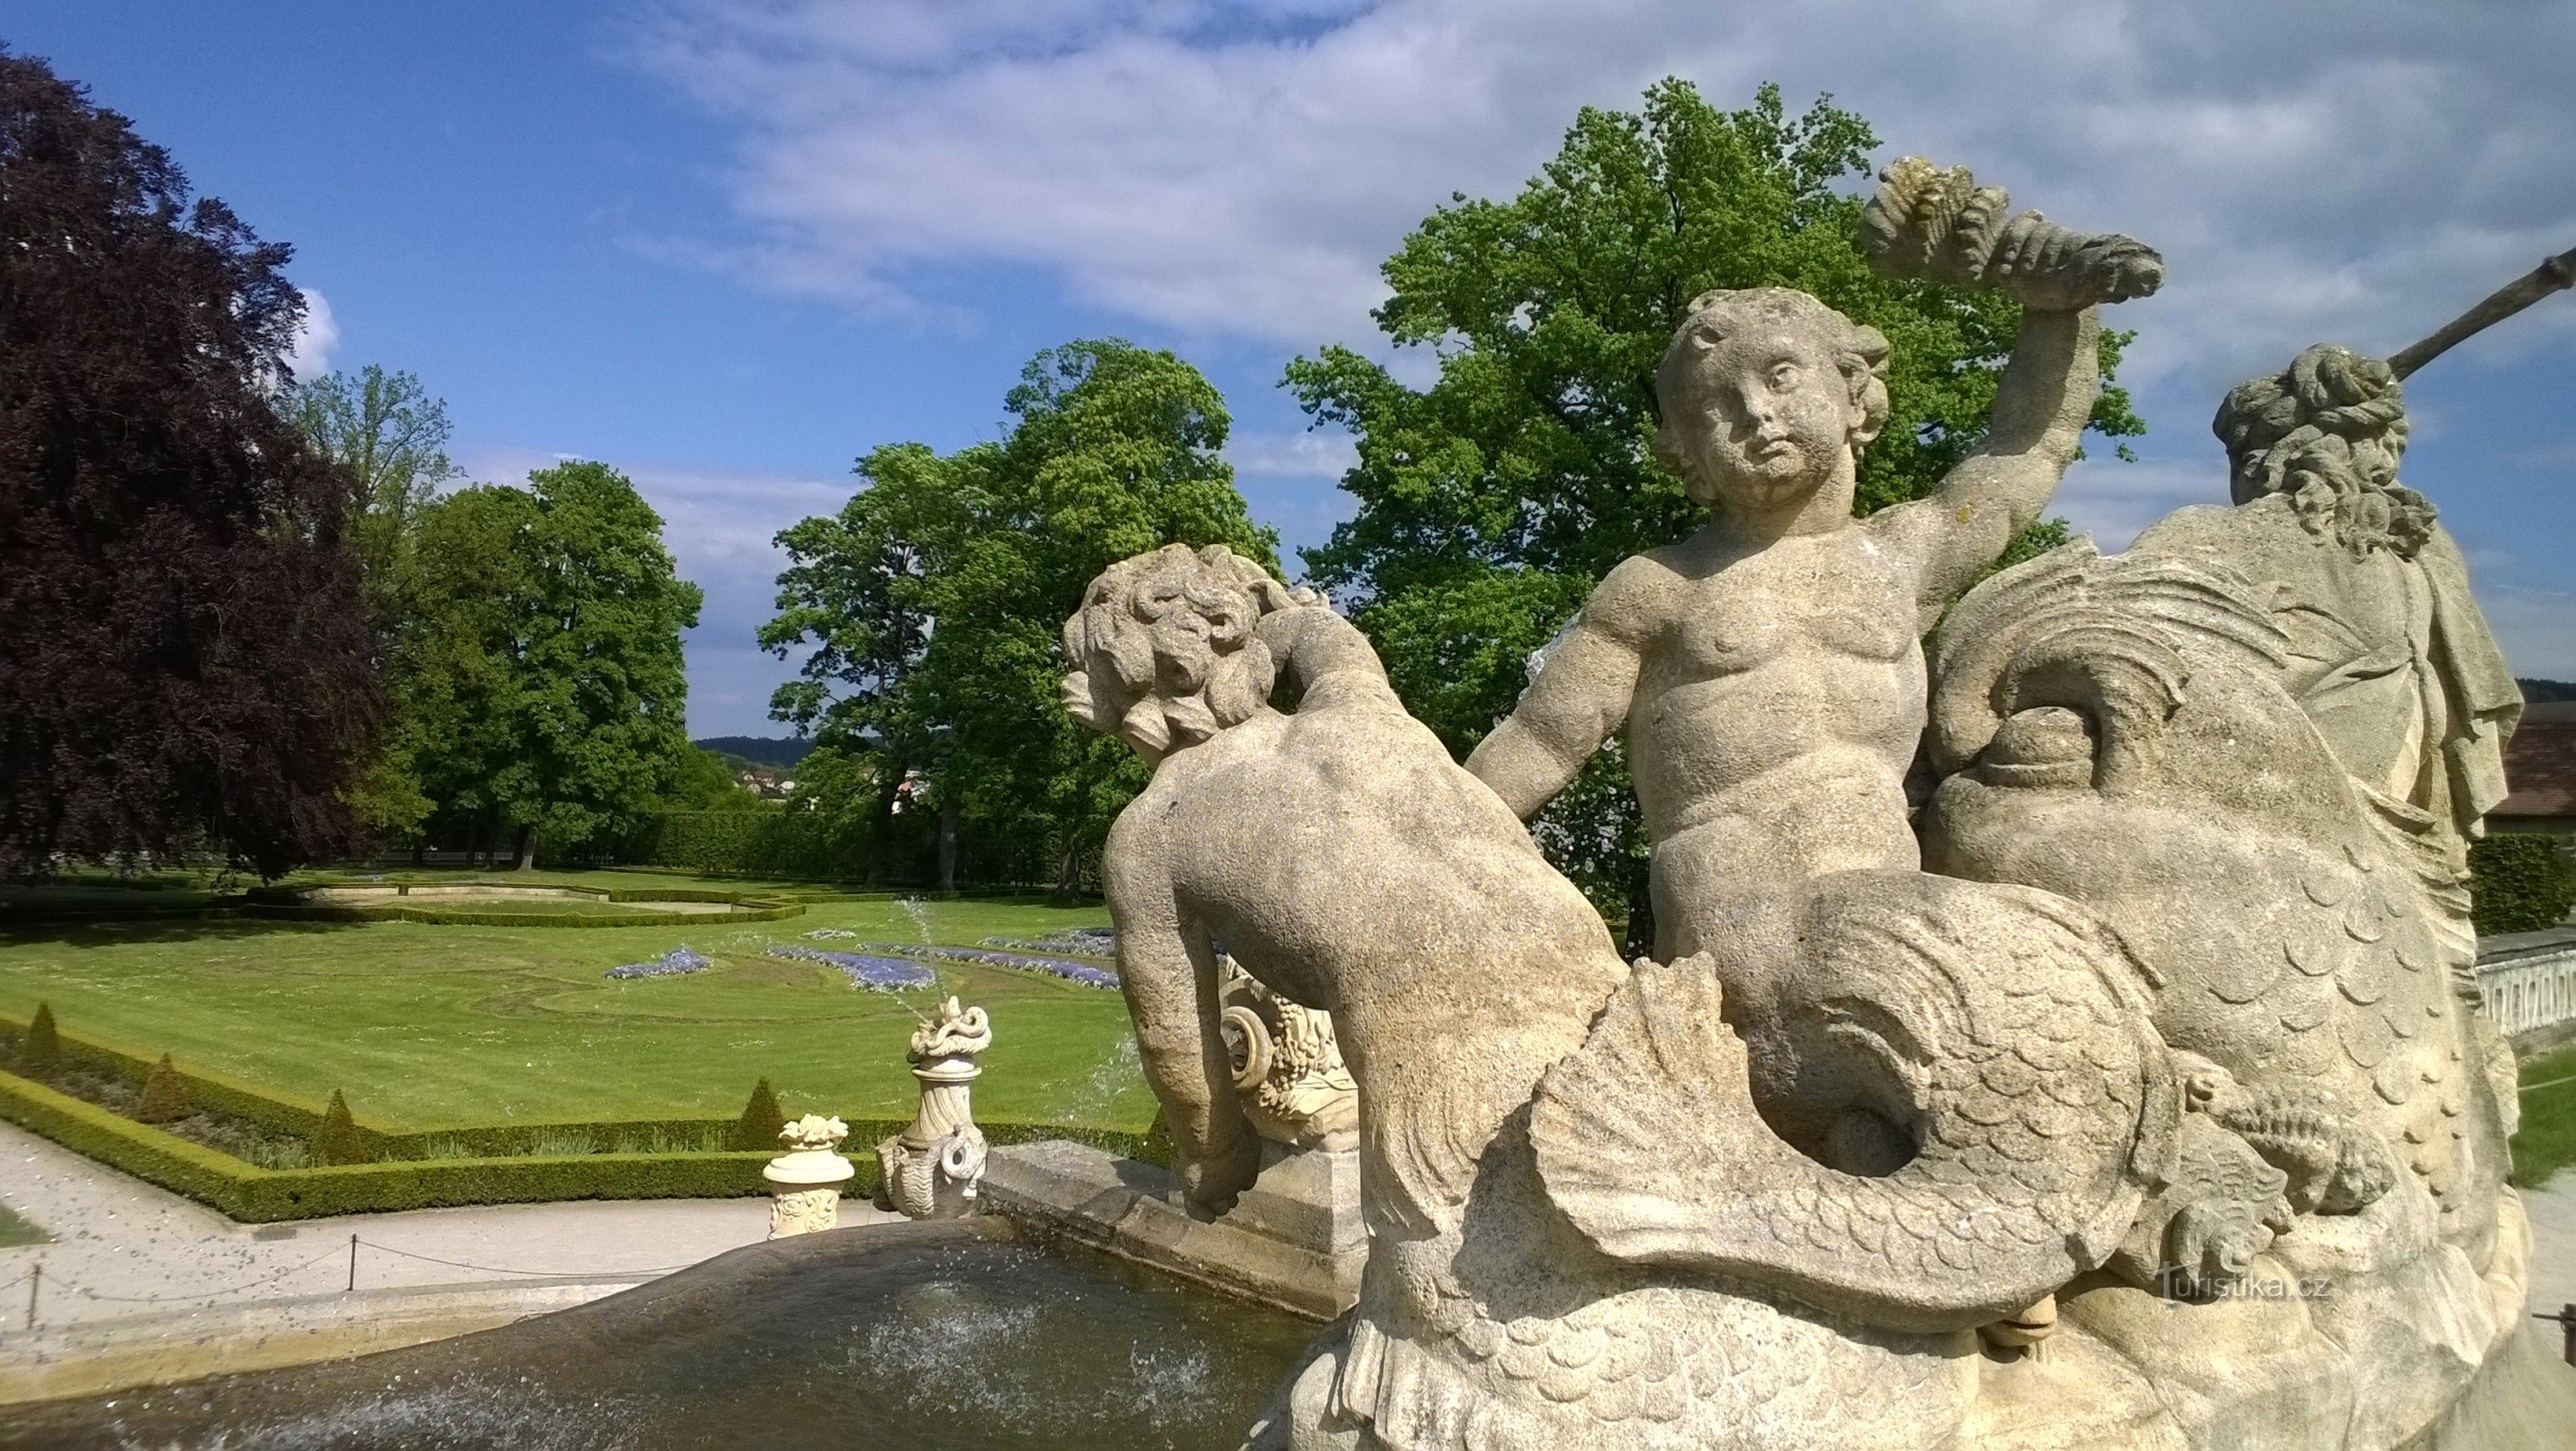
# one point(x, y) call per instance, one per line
point(1768, 669)
point(1347, 862)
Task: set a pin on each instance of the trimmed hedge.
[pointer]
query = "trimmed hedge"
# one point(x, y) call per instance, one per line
point(254, 1195)
point(286, 903)
point(2519, 882)
point(743, 844)
point(504, 1171)
point(293, 1117)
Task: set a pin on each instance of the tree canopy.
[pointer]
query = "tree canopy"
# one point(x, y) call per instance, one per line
point(1492, 500)
point(933, 600)
point(539, 671)
point(184, 661)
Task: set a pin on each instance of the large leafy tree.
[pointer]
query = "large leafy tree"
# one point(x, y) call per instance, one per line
point(541, 666)
point(1493, 499)
point(184, 662)
point(934, 599)
point(390, 434)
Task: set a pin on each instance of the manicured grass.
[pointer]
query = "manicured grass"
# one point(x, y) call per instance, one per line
point(2546, 1142)
point(430, 1026)
point(15, 1231)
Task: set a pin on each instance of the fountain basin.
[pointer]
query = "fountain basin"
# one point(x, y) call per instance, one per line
point(946, 1336)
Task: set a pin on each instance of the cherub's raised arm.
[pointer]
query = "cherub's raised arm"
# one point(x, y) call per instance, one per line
point(1930, 223)
point(2041, 406)
point(1581, 695)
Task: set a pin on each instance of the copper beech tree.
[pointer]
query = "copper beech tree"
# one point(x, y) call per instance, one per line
point(184, 663)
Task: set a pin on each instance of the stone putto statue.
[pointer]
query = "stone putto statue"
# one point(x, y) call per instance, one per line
point(2146, 1038)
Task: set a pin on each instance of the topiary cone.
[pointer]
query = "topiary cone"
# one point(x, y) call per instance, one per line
point(165, 1095)
point(337, 1141)
point(760, 1122)
point(40, 1052)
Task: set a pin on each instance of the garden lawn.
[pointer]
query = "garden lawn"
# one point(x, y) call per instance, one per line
point(428, 1027)
point(15, 1231)
point(2546, 1142)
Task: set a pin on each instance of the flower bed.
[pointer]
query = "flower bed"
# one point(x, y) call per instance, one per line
point(1072, 942)
point(670, 964)
point(867, 970)
point(1084, 973)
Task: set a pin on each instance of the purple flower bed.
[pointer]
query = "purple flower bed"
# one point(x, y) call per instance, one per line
point(678, 960)
point(1081, 972)
point(882, 974)
point(1078, 941)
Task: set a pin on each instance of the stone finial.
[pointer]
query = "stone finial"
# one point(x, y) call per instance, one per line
point(814, 1131)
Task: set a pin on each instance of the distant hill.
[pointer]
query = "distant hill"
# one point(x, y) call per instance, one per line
point(764, 750)
point(2539, 690)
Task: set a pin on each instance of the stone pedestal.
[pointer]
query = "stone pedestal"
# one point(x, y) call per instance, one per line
point(805, 1191)
point(1294, 1240)
point(1309, 1198)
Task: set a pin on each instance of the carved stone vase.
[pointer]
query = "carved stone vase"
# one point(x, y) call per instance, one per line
point(932, 1169)
point(805, 1182)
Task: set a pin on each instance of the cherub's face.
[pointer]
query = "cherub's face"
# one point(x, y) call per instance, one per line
point(1766, 418)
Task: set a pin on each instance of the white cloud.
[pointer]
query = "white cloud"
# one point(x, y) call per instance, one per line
point(1241, 170)
point(1292, 455)
point(316, 339)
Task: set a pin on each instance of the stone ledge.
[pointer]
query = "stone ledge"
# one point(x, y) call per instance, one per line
point(99, 1356)
point(1124, 1207)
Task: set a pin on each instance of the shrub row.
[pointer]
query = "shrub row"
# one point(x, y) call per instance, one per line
point(254, 1195)
point(743, 843)
point(285, 904)
point(284, 1113)
point(2519, 882)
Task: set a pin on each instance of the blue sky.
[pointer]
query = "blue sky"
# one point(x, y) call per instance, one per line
point(729, 247)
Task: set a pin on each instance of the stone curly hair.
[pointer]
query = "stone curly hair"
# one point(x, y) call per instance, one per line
point(1859, 351)
point(1164, 650)
point(2327, 431)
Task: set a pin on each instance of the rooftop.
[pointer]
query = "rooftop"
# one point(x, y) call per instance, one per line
point(2540, 762)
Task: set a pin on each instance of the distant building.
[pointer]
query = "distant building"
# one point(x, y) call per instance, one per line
point(2540, 770)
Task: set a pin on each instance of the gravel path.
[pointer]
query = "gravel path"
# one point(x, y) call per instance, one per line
point(2552, 1208)
point(125, 1248)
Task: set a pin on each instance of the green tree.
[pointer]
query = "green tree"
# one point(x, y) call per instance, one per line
point(541, 672)
point(391, 437)
point(935, 598)
point(1491, 501)
point(702, 780)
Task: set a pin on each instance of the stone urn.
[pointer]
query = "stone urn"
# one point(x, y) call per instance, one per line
point(805, 1182)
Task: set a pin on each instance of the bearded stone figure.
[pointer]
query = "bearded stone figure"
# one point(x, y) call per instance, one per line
point(2129, 1098)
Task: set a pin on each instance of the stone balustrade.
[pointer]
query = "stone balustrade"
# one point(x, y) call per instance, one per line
point(2527, 980)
